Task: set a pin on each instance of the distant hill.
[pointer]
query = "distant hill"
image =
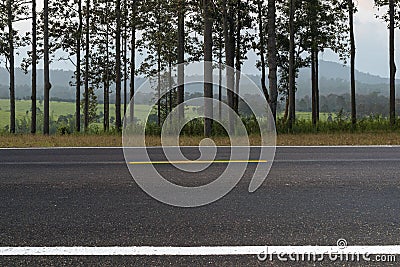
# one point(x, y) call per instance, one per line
point(334, 78)
point(60, 80)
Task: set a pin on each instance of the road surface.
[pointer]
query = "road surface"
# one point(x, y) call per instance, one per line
point(86, 197)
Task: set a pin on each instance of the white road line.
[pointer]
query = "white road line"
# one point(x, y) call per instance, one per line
point(196, 251)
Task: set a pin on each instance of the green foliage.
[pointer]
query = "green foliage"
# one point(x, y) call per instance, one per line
point(92, 105)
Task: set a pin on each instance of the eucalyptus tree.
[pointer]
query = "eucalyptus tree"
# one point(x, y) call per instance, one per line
point(34, 62)
point(272, 57)
point(314, 25)
point(87, 62)
point(66, 34)
point(103, 55)
point(391, 17)
point(292, 79)
point(290, 46)
point(158, 41)
point(208, 72)
point(244, 37)
point(261, 10)
point(228, 11)
point(134, 23)
point(11, 12)
point(124, 49)
point(181, 57)
point(237, 25)
point(266, 46)
point(351, 10)
point(326, 27)
point(118, 122)
point(46, 69)
point(218, 54)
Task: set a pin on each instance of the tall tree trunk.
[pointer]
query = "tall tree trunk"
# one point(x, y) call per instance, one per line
point(106, 119)
point(292, 85)
point(392, 111)
point(78, 70)
point(272, 61)
point(170, 85)
point(352, 64)
point(238, 57)
point(262, 48)
point(317, 85)
point(125, 38)
point(208, 90)
point(220, 77)
point(11, 57)
point(133, 66)
point(159, 87)
point(87, 40)
point(118, 123)
point(46, 65)
point(286, 113)
point(313, 85)
point(229, 39)
point(181, 58)
point(34, 59)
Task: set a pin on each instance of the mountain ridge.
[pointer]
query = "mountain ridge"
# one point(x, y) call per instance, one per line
point(334, 78)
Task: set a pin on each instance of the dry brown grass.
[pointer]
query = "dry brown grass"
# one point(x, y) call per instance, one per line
point(323, 139)
point(391, 138)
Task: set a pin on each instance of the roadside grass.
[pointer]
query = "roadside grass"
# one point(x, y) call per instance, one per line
point(372, 130)
point(112, 140)
point(60, 108)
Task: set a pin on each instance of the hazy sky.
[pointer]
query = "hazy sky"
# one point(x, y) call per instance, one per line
point(371, 44)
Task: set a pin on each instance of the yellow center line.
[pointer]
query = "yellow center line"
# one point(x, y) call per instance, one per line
point(196, 161)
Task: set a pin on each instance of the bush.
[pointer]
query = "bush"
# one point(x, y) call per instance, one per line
point(63, 129)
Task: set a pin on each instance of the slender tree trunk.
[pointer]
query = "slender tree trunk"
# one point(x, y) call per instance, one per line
point(118, 123)
point(292, 85)
point(46, 65)
point(159, 87)
point(286, 113)
point(87, 40)
point(133, 66)
point(262, 49)
point(317, 84)
point(170, 85)
point(34, 59)
point(104, 106)
point(272, 61)
point(352, 64)
point(237, 55)
point(11, 57)
point(228, 25)
point(392, 111)
point(125, 38)
point(208, 90)
point(106, 120)
point(181, 58)
point(78, 70)
point(313, 86)
point(220, 78)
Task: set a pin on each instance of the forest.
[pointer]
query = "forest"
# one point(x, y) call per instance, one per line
point(103, 39)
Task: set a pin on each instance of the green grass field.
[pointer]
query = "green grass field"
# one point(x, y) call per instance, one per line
point(23, 107)
point(300, 115)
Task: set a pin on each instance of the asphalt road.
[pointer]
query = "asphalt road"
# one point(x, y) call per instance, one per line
point(86, 197)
